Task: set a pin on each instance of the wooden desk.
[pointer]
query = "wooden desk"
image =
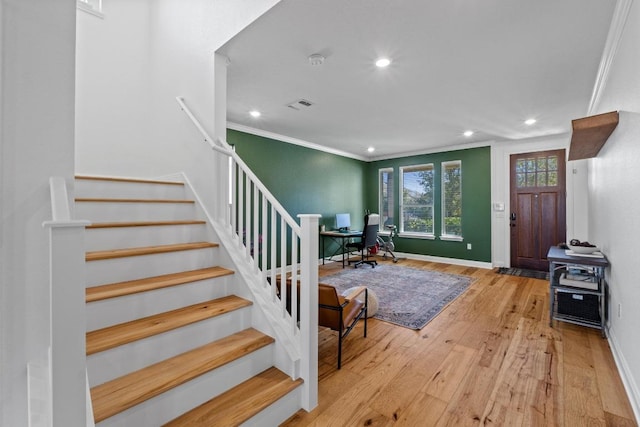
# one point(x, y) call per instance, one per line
point(338, 237)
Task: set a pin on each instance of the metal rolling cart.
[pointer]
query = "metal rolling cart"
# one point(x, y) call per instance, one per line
point(577, 289)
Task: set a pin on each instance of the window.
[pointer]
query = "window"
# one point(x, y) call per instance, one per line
point(386, 188)
point(416, 203)
point(452, 200)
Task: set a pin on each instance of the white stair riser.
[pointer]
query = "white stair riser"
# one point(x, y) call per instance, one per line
point(138, 267)
point(121, 212)
point(102, 239)
point(121, 360)
point(278, 412)
point(126, 190)
point(179, 400)
point(113, 311)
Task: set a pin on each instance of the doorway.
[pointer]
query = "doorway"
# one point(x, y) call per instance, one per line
point(537, 218)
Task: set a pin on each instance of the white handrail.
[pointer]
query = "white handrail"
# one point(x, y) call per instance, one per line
point(198, 126)
point(267, 252)
point(225, 148)
point(256, 181)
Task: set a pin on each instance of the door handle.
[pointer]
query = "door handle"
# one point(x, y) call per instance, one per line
point(512, 217)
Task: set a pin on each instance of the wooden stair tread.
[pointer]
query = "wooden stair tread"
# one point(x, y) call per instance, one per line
point(147, 250)
point(241, 402)
point(136, 180)
point(119, 200)
point(113, 290)
point(144, 223)
point(127, 391)
point(124, 333)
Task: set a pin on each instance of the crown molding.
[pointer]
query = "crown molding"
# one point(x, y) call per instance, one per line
point(614, 36)
point(440, 149)
point(313, 146)
point(294, 141)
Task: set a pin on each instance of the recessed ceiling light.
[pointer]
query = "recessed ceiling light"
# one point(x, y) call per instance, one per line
point(371, 149)
point(383, 62)
point(316, 59)
point(255, 113)
point(468, 133)
point(529, 122)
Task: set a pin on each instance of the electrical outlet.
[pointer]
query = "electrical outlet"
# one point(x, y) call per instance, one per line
point(619, 310)
point(468, 246)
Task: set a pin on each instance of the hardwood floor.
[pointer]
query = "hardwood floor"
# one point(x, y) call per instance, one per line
point(489, 358)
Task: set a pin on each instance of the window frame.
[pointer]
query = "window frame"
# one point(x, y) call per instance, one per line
point(443, 196)
point(390, 200)
point(401, 205)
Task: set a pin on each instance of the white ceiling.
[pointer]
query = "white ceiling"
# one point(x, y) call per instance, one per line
point(484, 65)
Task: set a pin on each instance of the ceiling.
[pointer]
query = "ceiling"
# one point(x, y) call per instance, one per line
point(457, 65)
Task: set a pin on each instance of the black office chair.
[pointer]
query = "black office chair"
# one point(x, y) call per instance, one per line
point(368, 240)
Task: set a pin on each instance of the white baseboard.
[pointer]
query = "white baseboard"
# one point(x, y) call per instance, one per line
point(454, 261)
point(633, 392)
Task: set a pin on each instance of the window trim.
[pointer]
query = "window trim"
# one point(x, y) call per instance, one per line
point(443, 234)
point(391, 171)
point(401, 231)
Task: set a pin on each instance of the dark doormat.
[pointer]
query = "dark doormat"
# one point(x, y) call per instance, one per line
point(544, 275)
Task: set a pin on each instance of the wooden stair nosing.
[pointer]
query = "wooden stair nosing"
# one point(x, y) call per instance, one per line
point(147, 250)
point(113, 290)
point(120, 200)
point(239, 403)
point(144, 223)
point(134, 330)
point(129, 390)
point(133, 180)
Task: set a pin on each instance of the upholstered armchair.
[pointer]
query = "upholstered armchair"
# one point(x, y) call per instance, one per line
point(341, 313)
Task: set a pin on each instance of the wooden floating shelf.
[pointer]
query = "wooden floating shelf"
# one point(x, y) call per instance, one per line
point(590, 134)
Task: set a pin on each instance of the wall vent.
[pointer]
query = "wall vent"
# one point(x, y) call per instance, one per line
point(300, 104)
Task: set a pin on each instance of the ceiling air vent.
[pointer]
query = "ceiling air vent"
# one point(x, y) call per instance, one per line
point(300, 104)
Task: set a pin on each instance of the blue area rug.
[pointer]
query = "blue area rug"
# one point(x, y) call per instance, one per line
point(407, 296)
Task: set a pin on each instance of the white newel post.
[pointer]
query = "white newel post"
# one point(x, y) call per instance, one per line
point(309, 309)
point(222, 196)
point(67, 305)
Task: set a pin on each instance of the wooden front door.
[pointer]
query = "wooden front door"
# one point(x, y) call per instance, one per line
point(538, 207)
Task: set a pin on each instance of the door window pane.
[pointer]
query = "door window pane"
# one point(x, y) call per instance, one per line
point(537, 172)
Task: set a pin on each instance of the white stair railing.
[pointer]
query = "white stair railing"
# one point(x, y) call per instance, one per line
point(276, 250)
point(63, 395)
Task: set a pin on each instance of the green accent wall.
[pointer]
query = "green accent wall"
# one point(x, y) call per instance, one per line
point(305, 181)
point(308, 181)
point(476, 203)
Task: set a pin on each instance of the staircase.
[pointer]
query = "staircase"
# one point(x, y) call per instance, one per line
point(171, 334)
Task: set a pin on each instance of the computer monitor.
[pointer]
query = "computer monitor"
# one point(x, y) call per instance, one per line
point(343, 221)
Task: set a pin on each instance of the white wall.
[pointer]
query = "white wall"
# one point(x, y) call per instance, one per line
point(113, 88)
point(614, 185)
point(133, 64)
point(500, 191)
point(37, 41)
point(37, 84)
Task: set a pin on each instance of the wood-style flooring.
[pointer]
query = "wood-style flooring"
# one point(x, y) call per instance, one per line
point(489, 358)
